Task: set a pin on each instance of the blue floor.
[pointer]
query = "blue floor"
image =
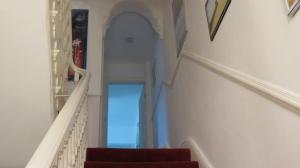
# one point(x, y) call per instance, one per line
point(123, 115)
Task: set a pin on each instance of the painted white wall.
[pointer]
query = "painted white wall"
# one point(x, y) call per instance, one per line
point(149, 9)
point(148, 112)
point(160, 120)
point(237, 127)
point(169, 39)
point(118, 72)
point(25, 85)
point(129, 25)
point(94, 118)
point(159, 65)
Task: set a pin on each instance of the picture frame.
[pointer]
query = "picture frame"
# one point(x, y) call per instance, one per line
point(79, 39)
point(292, 6)
point(215, 12)
point(210, 9)
point(181, 32)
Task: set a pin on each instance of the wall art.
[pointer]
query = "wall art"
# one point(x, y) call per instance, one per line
point(292, 6)
point(215, 12)
point(79, 39)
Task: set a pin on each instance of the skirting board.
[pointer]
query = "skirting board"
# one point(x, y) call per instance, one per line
point(277, 94)
point(197, 153)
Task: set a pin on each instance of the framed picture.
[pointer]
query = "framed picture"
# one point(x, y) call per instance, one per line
point(79, 39)
point(215, 12)
point(179, 23)
point(292, 6)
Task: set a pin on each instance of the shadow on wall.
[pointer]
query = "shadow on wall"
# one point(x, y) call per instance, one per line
point(161, 122)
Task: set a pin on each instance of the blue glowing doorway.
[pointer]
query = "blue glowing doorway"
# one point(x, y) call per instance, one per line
point(123, 115)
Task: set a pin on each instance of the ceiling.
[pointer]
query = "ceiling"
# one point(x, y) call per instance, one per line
point(130, 39)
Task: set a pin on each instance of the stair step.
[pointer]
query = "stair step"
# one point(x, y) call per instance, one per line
point(91, 164)
point(137, 155)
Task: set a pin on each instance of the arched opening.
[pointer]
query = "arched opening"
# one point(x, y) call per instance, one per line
point(129, 45)
point(130, 38)
point(134, 6)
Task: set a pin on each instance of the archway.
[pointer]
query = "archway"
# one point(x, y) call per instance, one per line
point(130, 36)
point(133, 6)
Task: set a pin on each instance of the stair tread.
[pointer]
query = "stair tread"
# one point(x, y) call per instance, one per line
point(137, 155)
point(181, 164)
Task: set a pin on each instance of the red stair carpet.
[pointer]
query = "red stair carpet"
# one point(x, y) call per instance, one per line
point(139, 158)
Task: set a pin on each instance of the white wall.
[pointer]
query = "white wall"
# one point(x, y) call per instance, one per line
point(148, 109)
point(160, 116)
point(129, 25)
point(159, 65)
point(160, 120)
point(237, 127)
point(122, 72)
point(25, 80)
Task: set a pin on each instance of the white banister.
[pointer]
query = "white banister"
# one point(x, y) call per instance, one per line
point(64, 145)
point(60, 36)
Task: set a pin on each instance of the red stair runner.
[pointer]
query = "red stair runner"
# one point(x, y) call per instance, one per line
point(139, 158)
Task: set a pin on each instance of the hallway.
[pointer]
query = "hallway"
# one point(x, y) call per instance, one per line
point(220, 81)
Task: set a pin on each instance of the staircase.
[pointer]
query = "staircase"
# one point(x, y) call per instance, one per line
point(139, 158)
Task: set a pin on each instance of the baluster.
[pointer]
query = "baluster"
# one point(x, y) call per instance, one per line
point(82, 151)
point(85, 144)
point(73, 145)
point(74, 139)
point(77, 138)
point(79, 156)
point(69, 150)
point(66, 154)
point(55, 162)
point(60, 159)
